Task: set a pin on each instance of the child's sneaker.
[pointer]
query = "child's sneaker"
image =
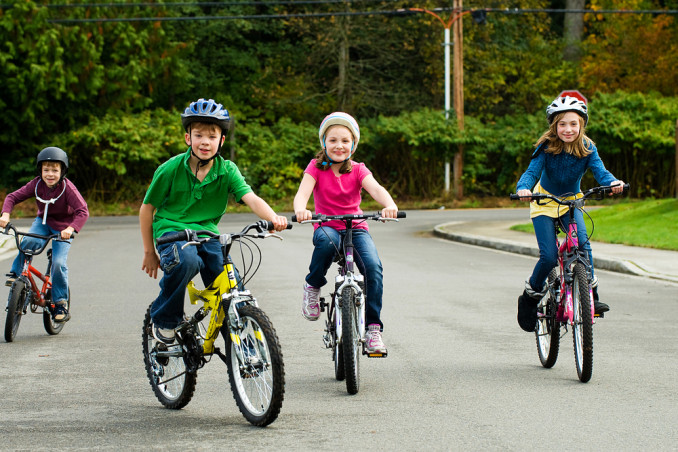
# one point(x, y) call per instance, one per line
point(310, 306)
point(373, 341)
point(11, 277)
point(163, 335)
point(61, 314)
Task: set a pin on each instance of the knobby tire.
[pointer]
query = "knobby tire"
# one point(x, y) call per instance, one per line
point(15, 307)
point(173, 393)
point(337, 349)
point(350, 340)
point(582, 332)
point(51, 326)
point(548, 328)
point(259, 388)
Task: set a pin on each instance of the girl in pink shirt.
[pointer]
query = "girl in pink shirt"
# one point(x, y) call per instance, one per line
point(336, 182)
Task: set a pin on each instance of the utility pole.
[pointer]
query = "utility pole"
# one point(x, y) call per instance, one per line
point(456, 14)
point(458, 77)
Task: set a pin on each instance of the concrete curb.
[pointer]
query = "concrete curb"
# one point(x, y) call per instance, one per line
point(601, 262)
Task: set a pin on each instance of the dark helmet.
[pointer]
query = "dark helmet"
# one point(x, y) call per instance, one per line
point(206, 111)
point(567, 103)
point(53, 154)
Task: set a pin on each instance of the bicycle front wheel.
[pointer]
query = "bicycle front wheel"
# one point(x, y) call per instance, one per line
point(548, 328)
point(15, 308)
point(172, 384)
point(258, 381)
point(350, 340)
point(51, 326)
point(337, 349)
point(582, 330)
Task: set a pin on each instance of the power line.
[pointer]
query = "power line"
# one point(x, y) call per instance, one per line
point(398, 12)
point(201, 4)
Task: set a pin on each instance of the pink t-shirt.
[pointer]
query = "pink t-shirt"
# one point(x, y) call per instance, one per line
point(341, 195)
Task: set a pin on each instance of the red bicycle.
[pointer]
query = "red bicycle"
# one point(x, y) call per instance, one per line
point(27, 293)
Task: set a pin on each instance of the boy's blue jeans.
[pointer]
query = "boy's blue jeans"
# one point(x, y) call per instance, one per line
point(179, 267)
point(326, 241)
point(544, 229)
point(59, 256)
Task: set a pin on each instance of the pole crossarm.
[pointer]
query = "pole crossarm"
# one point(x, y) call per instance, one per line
point(454, 15)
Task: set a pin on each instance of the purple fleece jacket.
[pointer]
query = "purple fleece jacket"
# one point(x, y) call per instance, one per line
point(69, 210)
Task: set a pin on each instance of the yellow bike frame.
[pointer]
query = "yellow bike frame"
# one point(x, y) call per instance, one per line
point(212, 296)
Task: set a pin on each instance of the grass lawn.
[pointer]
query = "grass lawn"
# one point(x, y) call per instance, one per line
point(651, 223)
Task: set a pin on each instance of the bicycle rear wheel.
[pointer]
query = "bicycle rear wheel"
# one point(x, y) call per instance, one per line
point(15, 308)
point(548, 328)
point(51, 326)
point(172, 384)
point(350, 340)
point(582, 330)
point(258, 382)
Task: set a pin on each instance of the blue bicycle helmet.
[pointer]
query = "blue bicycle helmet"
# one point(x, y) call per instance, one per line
point(206, 111)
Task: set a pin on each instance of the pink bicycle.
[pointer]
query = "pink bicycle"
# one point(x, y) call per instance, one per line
point(569, 298)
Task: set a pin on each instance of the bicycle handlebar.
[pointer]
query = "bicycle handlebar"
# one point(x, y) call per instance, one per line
point(595, 191)
point(321, 218)
point(190, 235)
point(56, 236)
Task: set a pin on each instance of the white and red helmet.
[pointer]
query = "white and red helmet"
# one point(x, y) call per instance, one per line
point(565, 104)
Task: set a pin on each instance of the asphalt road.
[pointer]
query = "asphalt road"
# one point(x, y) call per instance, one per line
point(460, 373)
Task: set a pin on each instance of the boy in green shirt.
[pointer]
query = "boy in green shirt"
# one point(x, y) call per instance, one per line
point(190, 191)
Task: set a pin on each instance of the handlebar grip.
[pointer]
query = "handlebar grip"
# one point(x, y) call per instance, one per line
point(270, 226)
point(173, 237)
point(401, 214)
point(514, 196)
point(293, 219)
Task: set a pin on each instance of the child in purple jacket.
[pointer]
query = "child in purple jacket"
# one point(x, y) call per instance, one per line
point(61, 210)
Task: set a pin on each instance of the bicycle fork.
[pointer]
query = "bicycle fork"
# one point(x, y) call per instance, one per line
point(354, 283)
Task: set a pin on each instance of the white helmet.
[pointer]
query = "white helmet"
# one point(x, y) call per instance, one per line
point(567, 103)
point(342, 119)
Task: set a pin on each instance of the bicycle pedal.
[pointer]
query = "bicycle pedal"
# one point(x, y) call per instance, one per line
point(377, 355)
point(601, 315)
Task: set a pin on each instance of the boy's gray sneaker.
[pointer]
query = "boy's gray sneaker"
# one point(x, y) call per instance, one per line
point(163, 335)
point(11, 277)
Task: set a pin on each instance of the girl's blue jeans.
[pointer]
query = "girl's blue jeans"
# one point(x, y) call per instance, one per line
point(179, 266)
point(59, 256)
point(327, 241)
point(544, 228)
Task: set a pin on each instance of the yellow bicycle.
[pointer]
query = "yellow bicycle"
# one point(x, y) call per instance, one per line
point(252, 350)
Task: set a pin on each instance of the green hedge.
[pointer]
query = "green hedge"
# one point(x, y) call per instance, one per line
point(114, 157)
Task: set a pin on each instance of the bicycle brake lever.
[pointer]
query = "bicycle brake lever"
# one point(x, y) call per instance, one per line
point(272, 234)
point(189, 243)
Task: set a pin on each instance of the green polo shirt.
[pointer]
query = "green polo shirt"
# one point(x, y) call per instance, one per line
point(183, 202)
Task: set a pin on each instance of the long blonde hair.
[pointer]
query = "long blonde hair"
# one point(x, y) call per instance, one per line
point(579, 148)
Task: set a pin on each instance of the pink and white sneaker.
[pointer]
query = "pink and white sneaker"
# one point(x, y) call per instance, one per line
point(310, 305)
point(373, 341)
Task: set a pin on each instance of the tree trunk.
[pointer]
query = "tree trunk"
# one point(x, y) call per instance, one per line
point(573, 30)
